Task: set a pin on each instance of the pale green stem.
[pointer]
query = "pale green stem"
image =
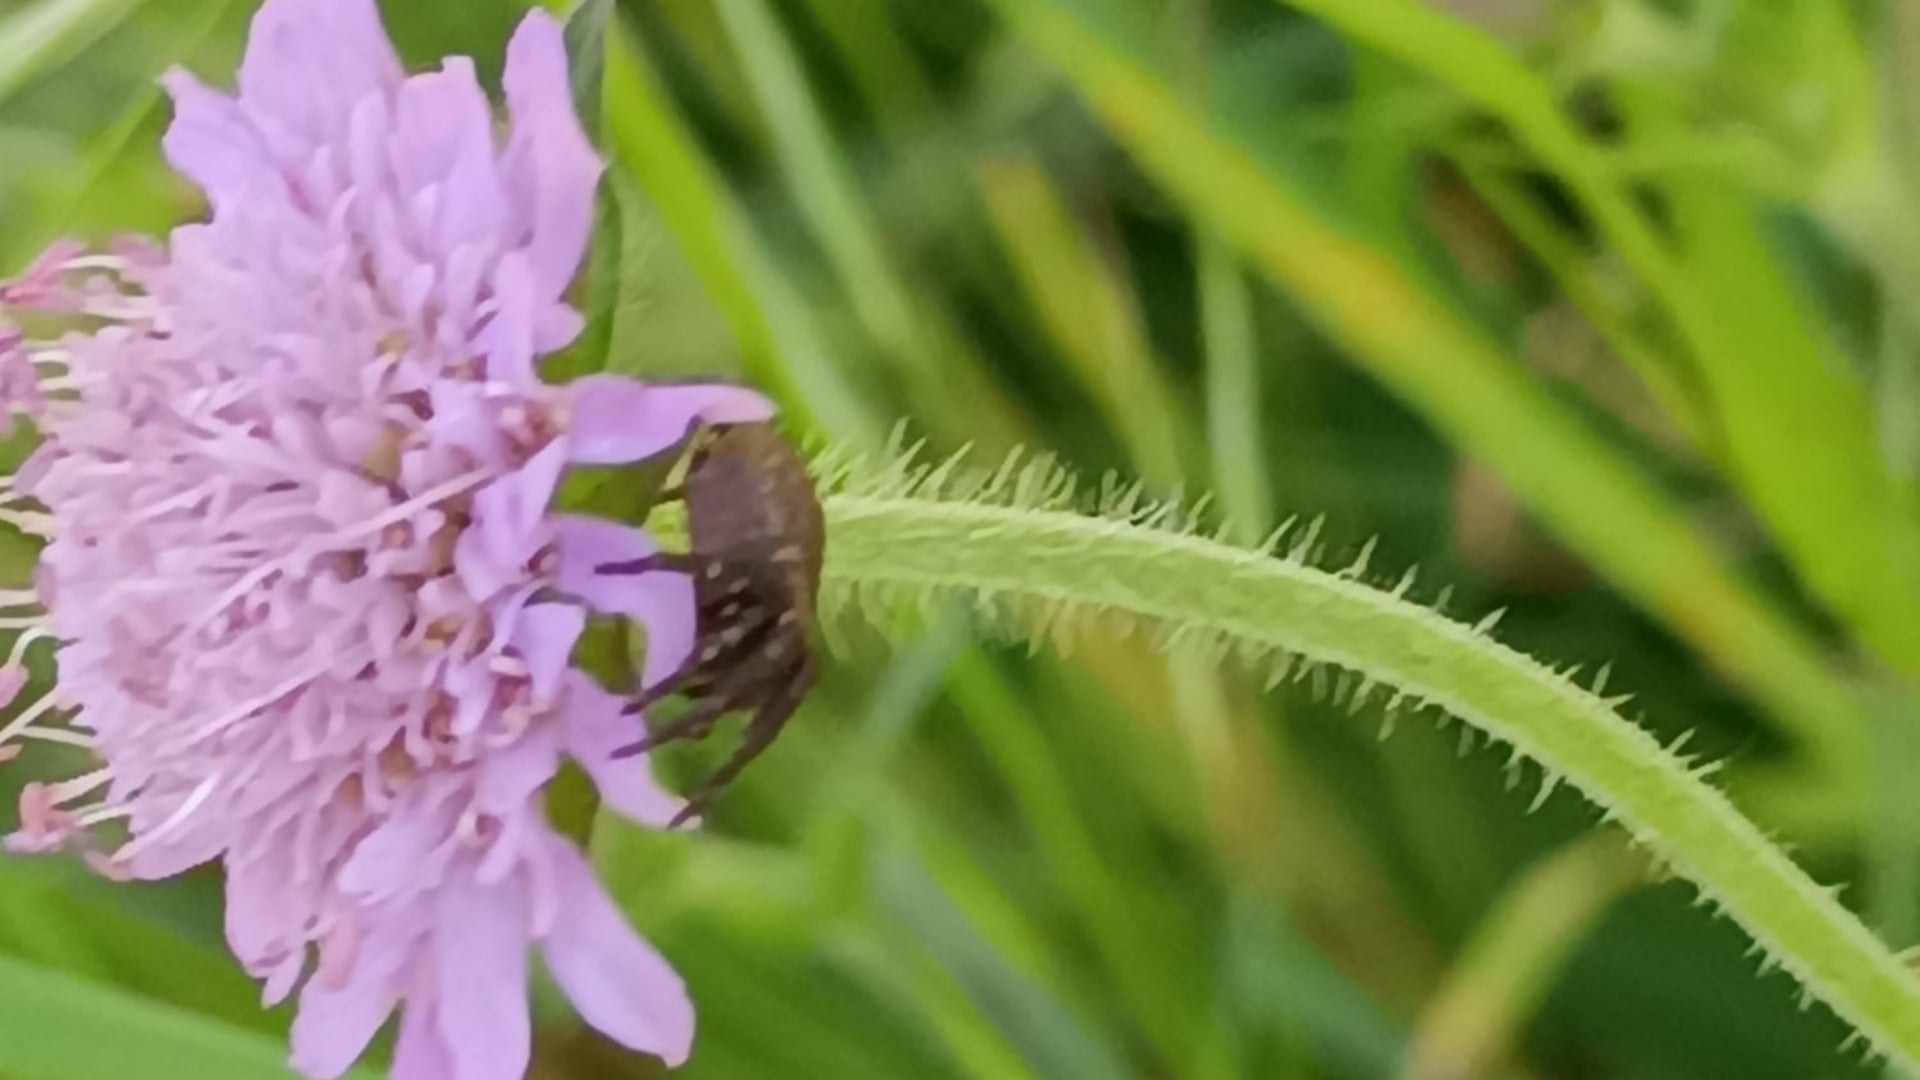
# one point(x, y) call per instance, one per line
point(1045, 566)
point(1514, 957)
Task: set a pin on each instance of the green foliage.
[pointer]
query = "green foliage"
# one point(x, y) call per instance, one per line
point(1479, 279)
point(1013, 541)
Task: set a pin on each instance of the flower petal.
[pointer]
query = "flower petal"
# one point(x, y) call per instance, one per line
point(308, 63)
point(443, 136)
point(595, 728)
point(420, 1053)
point(480, 967)
point(618, 982)
point(258, 896)
point(507, 341)
point(617, 420)
point(661, 601)
point(548, 157)
point(545, 637)
point(509, 776)
point(383, 860)
point(333, 1027)
point(508, 524)
point(212, 143)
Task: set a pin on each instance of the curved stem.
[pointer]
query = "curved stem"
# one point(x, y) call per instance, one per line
point(917, 546)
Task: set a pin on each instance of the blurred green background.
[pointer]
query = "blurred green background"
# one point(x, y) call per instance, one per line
point(1600, 312)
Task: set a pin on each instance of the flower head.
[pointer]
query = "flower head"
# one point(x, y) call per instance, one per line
point(314, 617)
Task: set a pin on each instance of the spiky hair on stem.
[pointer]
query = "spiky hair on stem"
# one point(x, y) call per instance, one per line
point(1040, 559)
point(1038, 484)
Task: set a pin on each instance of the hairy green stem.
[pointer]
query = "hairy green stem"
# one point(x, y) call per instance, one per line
point(910, 541)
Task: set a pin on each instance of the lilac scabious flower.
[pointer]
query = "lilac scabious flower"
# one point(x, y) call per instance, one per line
point(312, 614)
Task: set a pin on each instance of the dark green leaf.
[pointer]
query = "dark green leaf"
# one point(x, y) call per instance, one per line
point(586, 35)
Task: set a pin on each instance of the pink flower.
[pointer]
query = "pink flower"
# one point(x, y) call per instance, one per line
point(314, 616)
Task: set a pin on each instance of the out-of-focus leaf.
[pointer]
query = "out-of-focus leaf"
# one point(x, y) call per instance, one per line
point(586, 38)
point(59, 1027)
point(424, 32)
point(781, 349)
point(1451, 370)
point(37, 37)
point(124, 156)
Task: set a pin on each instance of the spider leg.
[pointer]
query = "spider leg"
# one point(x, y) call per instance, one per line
point(695, 723)
point(768, 720)
point(676, 561)
point(713, 656)
point(652, 695)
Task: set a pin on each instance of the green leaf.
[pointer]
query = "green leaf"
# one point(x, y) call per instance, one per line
point(58, 1027)
point(1796, 431)
point(38, 37)
point(782, 350)
point(586, 39)
point(1452, 371)
point(602, 282)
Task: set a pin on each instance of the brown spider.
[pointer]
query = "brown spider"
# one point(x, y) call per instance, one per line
point(756, 539)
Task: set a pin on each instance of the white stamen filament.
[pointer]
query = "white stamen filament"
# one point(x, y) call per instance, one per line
point(174, 821)
point(28, 521)
point(104, 812)
point(370, 527)
point(46, 704)
point(68, 790)
point(112, 264)
point(12, 598)
point(63, 736)
point(181, 501)
point(253, 705)
point(236, 591)
point(23, 643)
point(395, 515)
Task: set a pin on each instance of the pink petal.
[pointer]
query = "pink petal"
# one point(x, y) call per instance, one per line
point(508, 519)
point(545, 638)
point(333, 1027)
point(586, 542)
point(618, 982)
point(386, 859)
point(463, 417)
point(212, 143)
point(555, 327)
point(661, 601)
point(309, 62)
point(510, 776)
point(420, 1053)
point(507, 851)
point(480, 965)
point(595, 728)
point(617, 420)
point(258, 896)
point(443, 135)
point(507, 340)
point(556, 168)
point(281, 979)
